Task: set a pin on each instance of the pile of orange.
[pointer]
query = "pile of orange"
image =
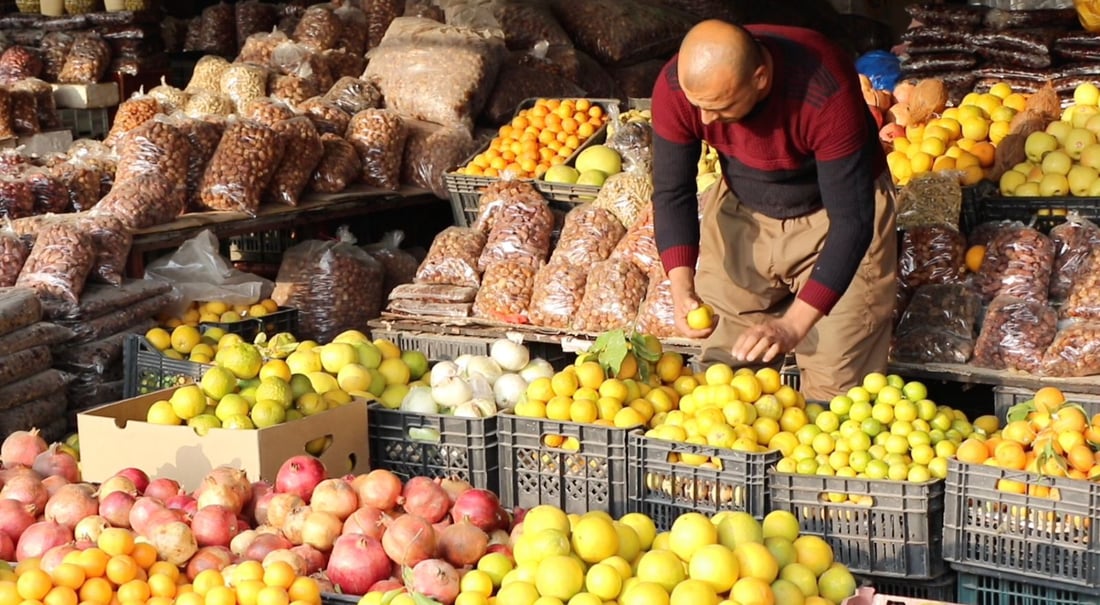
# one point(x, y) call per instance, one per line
point(1046, 435)
point(537, 138)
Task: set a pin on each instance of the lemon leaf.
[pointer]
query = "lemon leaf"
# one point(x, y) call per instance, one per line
point(1020, 411)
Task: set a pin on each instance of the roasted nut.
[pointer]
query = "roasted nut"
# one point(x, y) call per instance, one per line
point(1083, 301)
point(639, 245)
point(18, 63)
point(203, 103)
point(87, 61)
point(207, 75)
point(354, 95)
point(254, 18)
point(339, 165)
point(398, 267)
point(452, 258)
point(266, 111)
point(559, 287)
point(13, 253)
point(242, 167)
point(171, 99)
point(50, 194)
point(294, 171)
point(506, 289)
point(938, 325)
point(588, 237)
point(379, 136)
point(1015, 334)
point(326, 117)
point(612, 296)
point(1074, 242)
point(931, 254)
point(1075, 351)
point(291, 90)
point(259, 47)
point(144, 200)
point(16, 197)
point(155, 147)
point(298, 60)
point(657, 314)
point(112, 240)
point(132, 113)
point(242, 82)
point(431, 151)
point(380, 14)
point(7, 126)
point(218, 31)
point(319, 29)
point(343, 64)
point(14, 159)
point(59, 262)
point(24, 112)
point(500, 194)
point(522, 229)
point(1017, 264)
point(615, 32)
point(203, 137)
point(81, 180)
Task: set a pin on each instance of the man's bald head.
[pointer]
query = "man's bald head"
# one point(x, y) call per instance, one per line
point(715, 52)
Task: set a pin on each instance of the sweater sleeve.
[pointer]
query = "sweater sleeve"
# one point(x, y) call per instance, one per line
point(676, 148)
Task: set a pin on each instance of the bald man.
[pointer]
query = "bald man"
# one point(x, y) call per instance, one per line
point(796, 249)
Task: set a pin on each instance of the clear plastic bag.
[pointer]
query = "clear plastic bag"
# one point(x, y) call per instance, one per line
point(291, 90)
point(50, 194)
point(145, 200)
point(54, 50)
point(81, 179)
point(294, 59)
point(931, 254)
point(156, 147)
point(266, 111)
point(319, 28)
point(218, 31)
point(252, 18)
point(19, 62)
point(97, 357)
point(45, 106)
point(7, 126)
point(246, 159)
point(207, 74)
point(97, 328)
point(632, 138)
point(202, 137)
point(355, 30)
point(398, 266)
point(518, 81)
point(13, 158)
point(24, 112)
point(132, 113)
point(326, 117)
point(59, 262)
point(626, 196)
point(339, 165)
point(100, 299)
point(16, 197)
point(639, 245)
point(1015, 334)
point(557, 294)
point(1074, 242)
point(453, 258)
point(354, 95)
point(426, 9)
point(87, 61)
point(522, 230)
point(204, 103)
point(294, 171)
point(112, 240)
point(171, 99)
point(612, 296)
point(32, 390)
point(1083, 297)
point(524, 22)
point(434, 293)
point(1017, 263)
point(657, 315)
point(335, 286)
point(19, 307)
point(938, 326)
point(1074, 352)
point(258, 47)
point(25, 363)
point(39, 334)
point(379, 136)
point(242, 82)
point(380, 15)
point(622, 31)
point(343, 64)
point(434, 72)
point(431, 151)
point(589, 236)
point(498, 195)
point(929, 199)
point(13, 253)
point(505, 292)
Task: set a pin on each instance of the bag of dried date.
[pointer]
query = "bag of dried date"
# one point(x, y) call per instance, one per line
point(931, 254)
point(353, 95)
point(505, 292)
point(154, 147)
point(319, 28)
point(589, 236)
point(13, 253)
point(339, 166)
point(524, 22)
point(16, 196)
point(1015, 334)
point(253, 17)
point(202, 138)
point(522, 229)
point(87, 61)
point(431, 151)
point(335, 286)
point(1017, 263)
point(499, 194)
point(294, 171)
point(938, 325)
point(657, 315)
point(242, 167)
point(559, 287)
point(59, 263)
point(1074, 242)
point(612, 295)
point(1074, 352)
point(112, 241)
point(398, 265)
point(452, 258)
point(132, 113)
point(434, 72)
point(80, 178)
point(380, 15)
point(518, 81)
point(379, 136)
point(45, 106)
point(639, 245)
point(54, 50)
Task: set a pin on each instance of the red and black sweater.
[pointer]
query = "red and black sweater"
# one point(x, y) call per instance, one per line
point(811, 143)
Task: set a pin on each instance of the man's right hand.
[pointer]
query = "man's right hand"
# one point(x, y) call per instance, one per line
point(684, 300)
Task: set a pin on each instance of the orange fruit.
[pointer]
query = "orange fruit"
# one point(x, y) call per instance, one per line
point(61, 595)
point(1069, 419)
point(974, 257)
point(279, 574)
point(34, 584)
point(1048, 399)
point(135, 591)
point(1011, 454)
point(68, 574)
point(972, 451)
point(98, 590)
point(272, 595)
point(144, 554)
point(305, 589)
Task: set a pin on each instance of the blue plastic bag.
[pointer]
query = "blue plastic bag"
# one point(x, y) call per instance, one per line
point(883, 68)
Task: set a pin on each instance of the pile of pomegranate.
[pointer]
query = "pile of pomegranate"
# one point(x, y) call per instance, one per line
point(362, 533)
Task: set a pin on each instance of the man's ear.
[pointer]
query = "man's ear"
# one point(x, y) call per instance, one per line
point(760, 77)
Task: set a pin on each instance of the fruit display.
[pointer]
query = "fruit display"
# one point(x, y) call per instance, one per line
point(219, 312)
point(537, 138)
point(592, 167)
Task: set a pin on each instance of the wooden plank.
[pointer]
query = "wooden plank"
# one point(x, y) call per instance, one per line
point(968, 374)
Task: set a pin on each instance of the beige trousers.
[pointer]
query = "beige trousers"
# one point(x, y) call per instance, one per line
point(752, 266)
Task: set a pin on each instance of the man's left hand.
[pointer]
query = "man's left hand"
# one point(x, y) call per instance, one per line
point(766, 341)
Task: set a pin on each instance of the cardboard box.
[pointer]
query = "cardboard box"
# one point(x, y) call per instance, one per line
point(86, 96)
point(115, 436)
point(866, 596)
point(43, 143)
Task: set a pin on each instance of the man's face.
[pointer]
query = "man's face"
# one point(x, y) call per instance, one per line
point(725, 104)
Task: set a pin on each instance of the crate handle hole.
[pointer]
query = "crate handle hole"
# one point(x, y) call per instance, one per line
point(318, 445)
point(861, 500)
point(423, 434)
point(561, 442)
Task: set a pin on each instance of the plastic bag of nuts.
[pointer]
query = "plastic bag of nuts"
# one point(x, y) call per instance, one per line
point(87, 61)
point(931, 254)
point(354, 30)
point(112, 240)
point(44, 103)
point(343, 64)
point(380, 15)
point(292, 90)
point(559, 287)
point(266, 111)
point(218, 32)
point(202, 137)
point(1083, 299)
point(938, 326)
point(145, 200)
point(639, 245)
point(626, 196)
point(253, 18)
point(203, 103)
point(1074, 242)
point(1075, 351)
point(657, 314)
point(434, 72)
point(18, 63)
point(207, 74)
point(54, 50)
point(298, 60)
point(171, 99)
point(622, 31)
point(259, 47)
point(354, 95)
point(498, 195)
point(305, 151)
point(242, 82)
point(398, 266)
point(379, 135)
point(326, 117)
point(524, 22)
point(155, 147)
point(132, 113)
point(432, 151)
point(335, 286)
point(7, 127)
point(247, 157)
point(16, 197)
point(81, 179)
point(59, 262)
point(13, 253)
point(1017, 263)
point(319, 28)
point(612, 296)
point(522, 230)
point(589, 236)
point(452, 259)
point(1015, 334)
point(13, 158)
point(24, 112)
point(505, 292)
point(339, 165)
point(50, 194)
point(983, 234)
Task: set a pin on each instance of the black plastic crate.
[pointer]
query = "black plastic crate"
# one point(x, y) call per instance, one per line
point(664, 490)
point(283, 320)
point(145, 369)
point(972, 197)
point(440, 347)
point(435, 445)
point(993, 588)
point(1006, 397)
point(1047, 534)
point(262, 246)
point(1045, 211)
point(594, 477)
point(943, 588)
point(86, 123)
point(897, 533)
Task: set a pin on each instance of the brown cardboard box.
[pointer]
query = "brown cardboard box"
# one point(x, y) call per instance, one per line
point(86, 96)
point(115, 436)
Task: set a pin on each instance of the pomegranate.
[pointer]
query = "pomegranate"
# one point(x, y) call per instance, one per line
point(21, 448)
point(40, 537)
point(259, 497)
point(455, 487)
point(279, 507)
point(314, 559)
point(442, 525)
point(425, 498)
point(7, 547)
point(295, 522)
point(295, 560)
point(209, 557)
point(321, 529)
point(27, 489)
point(54, 556)
point(89, 528)
point(387, 585)
point(217, 494)
point(15, 518)
point(240, 542)
point(409, 539)
point(54, 483)
point(138, 477)
point(260, 505)
point(379, 488)
point(356, 563)
point(162, 489)
point(368, 521)
point(264, 544)
point(233, 478)
point(140, 512)
point(335, 496)
point(299, 475)
point(160, 517)
point(214, 526)
point(183, 503)
point(72, 503)
point(479, 507)
point(54, 461)
point(115, 508)
point(174, 542)
point(462, 544)
point(504, 518)
point(436, 579)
